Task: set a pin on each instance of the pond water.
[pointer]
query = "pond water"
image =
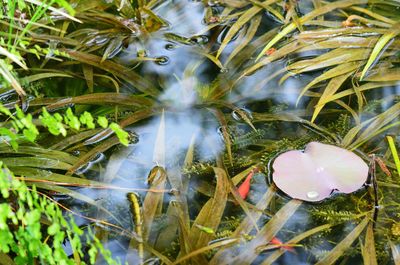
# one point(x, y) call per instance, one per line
point(204, 112)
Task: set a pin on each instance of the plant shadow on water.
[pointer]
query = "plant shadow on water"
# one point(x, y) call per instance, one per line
point(206, 112)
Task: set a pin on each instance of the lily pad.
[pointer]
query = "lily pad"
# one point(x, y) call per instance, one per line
point(312, 174)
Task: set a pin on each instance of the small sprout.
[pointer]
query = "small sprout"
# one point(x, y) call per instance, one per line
point(205, 229)
point(103, 122)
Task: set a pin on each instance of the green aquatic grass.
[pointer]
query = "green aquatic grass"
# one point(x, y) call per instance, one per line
point(84, 89)
point(394, 152)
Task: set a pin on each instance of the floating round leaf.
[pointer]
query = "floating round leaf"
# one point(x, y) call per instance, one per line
point(312, 174)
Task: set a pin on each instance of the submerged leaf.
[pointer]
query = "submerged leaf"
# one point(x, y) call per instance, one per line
point(393, 32)
point(343, 245)
point(315, 13)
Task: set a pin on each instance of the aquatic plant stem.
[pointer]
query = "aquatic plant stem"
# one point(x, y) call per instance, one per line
point(138, 223)
point(372, 178)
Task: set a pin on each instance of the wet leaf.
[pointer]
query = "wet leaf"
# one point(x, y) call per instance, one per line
point(88, 74)
point(153, 201)
point(89, 156)
point(317, 171)
point(137, 116)
point(202, 250)
point(78, 196)
point(368, 249)
point(39, 162)
point(344, 70)
point(212, 58)
point(337, 56)
point(9, 77)
point(113, 48)
point(16, 59)
point(384, 75)
point(375, 125)
point(266, 234)
point(33, 174)
point(47, 153)
point(116, 69)
point(73, 139)
point(394, 153)
point(159, 143)
point(249, 34)
point(225, 133)
point(315, 13)
point(287, 49)
point(365, 87)
point(343, 245)
point(112, 99)
point(274, 256)
point(211, 214)
point(393, 32)
point(333, 86)
point(249, 14)
point(395, 252)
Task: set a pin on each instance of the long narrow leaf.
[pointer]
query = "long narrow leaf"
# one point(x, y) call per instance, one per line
point(343, 245)
point(393, 32)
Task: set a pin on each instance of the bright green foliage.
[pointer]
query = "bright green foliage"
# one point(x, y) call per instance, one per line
point(72, 120)
point(122, 135)
point(56, 124)
point(26, 243)
point(102, 121)
point(86, 118)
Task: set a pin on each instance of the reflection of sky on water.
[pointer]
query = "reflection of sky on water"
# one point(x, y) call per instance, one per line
point(179, 93)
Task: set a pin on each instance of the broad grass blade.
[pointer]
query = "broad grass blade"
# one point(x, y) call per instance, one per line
point(104, 146)
point(159, 143)
point(39, 162)
point(42, 152)
point(390, 34)
point(249, 14)
point(211, 214)
point(368, 249)
point(374, 127)
point(88, 74)
point(266, 234)
point(395, 252)
point(153, 201)
point(340, 70)
point(333, 86)
point(202, 250)
point(250, 32)
point(246, 256)
point(337, 251)
point(113, 99)
point(315, 13)
point(274, 256)
point(384, 75)
point(116, 69)
point(9, 77)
